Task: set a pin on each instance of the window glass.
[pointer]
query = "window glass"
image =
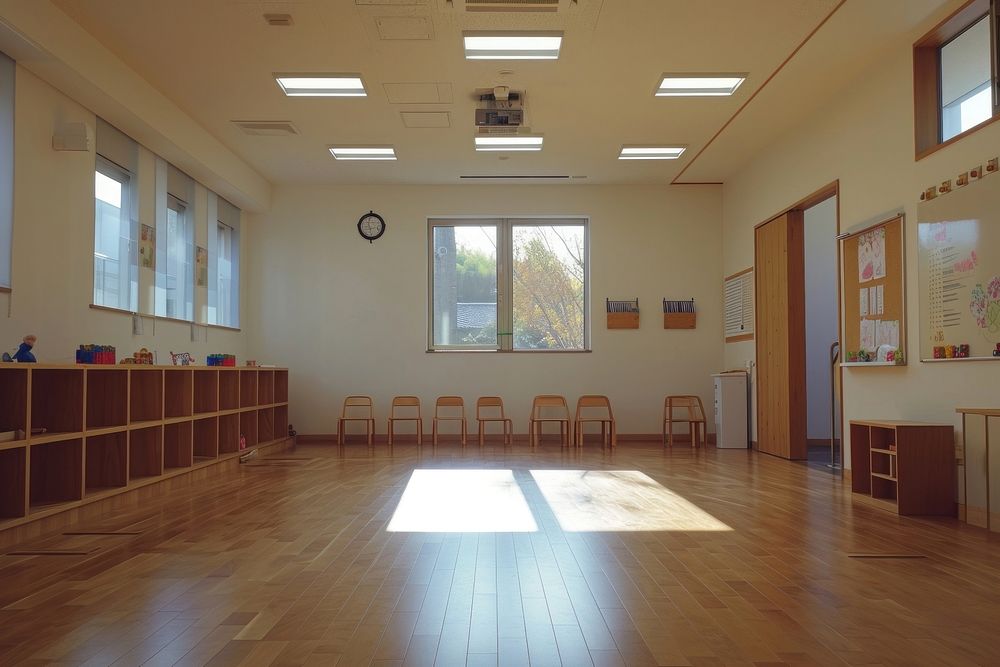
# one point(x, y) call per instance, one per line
point(179, 273)
point(116, 280)
point(966, 93)
point(465, 285)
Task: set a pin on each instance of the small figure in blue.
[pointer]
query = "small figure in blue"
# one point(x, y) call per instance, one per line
point(23, 354)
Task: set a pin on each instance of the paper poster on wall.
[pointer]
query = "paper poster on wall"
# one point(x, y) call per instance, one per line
point(868, 328)
point(888, 333)
point(871, 255)
point(201, 266)
point(863, 300)
point(147, 247)
point(880, 299)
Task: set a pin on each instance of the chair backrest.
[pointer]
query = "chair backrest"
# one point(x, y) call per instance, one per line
point(449, 407)
point(692, 404)
point(489, 403)
point(594, 403)
point(405, 402)
point(358, 407)
point(552, 402)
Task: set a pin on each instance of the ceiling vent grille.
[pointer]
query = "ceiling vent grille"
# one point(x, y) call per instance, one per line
point(266, 128)
point(278, 20)
point(511, 5)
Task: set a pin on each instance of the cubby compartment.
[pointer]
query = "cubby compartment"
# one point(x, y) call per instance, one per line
point(265, 387)
point(107, 397)
point(248, 388)
point(229, 433)
point(13, 477)
point(145, 452)
point(178, 396)
point(229, 389)
point(106, 461)
point(56, 401)
point(280, 386)
point(248, 427)
point(14, 415)
point(206, 391)
point(146, 395)
point(281, 421)
point(57, 470)
point(177, 446)
point(206, 439)
point(265, 425)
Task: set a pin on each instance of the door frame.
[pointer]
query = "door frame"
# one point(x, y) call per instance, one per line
point(831, 189)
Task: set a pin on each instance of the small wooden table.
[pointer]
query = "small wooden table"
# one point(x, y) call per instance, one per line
point(985, 413)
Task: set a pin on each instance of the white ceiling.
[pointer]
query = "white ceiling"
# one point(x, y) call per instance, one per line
point(215, 59)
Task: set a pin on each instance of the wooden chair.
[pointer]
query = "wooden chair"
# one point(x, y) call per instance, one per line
point(695, 418)
point(357, 409)
point(598, 412)
point(551, 403)
point(490, 404)
point(444, 409)
point(404, 403)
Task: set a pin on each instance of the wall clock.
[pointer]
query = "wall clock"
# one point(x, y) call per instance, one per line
point(371, 226)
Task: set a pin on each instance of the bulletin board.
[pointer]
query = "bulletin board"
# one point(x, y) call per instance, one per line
point(874, 270)
point(959, 269)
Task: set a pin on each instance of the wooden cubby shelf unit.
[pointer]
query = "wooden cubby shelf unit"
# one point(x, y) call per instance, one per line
point(248, 387)
point(112, 429)
point(206, 391)
point(910, 465)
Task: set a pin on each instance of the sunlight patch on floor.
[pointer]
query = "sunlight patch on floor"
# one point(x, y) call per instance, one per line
point(618, 500)
point(462, 501)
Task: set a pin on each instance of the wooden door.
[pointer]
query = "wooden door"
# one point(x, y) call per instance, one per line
point(780, 335)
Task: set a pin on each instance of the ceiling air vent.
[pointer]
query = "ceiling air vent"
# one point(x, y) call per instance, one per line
point(266, 128)
point(511, 5)
point(278, 20)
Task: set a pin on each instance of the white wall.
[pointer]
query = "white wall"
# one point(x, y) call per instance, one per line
point(864, 137)
point(53, 244)
point(351, 318)
point(822, 293)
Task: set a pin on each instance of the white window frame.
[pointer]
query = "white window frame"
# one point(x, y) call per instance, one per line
point(505, 278)
point(7, 92)
point(183, 211)
point(129, 270)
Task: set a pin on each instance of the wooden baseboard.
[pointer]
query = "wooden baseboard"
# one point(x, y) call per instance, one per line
point(54, 520)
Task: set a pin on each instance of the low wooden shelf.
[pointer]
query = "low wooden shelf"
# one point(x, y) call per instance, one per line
point(112, 429)
point(910, 465)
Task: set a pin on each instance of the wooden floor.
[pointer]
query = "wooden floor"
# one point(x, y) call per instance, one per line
point(709, 558)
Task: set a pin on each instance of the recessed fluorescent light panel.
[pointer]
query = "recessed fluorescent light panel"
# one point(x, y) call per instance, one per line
point(651, 152)
point(507, 144)
point(381, 153)
point(699, 85)
point(321, 85)
point(512, 46)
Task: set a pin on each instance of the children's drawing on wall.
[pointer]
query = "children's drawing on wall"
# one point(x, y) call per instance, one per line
point(985, 307)
point(147, 247)
point(871, 255)
point(201, 263)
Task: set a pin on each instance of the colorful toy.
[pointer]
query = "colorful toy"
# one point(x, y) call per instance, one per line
point(95, 354)
point(182, 359)
point(143, 356)
point(221, 360)
point(963, 351)
point(243, 441)
point(939, 351)
point(23, 354)
point(996, 352)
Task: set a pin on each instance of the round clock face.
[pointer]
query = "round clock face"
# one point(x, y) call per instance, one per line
point(371, 226)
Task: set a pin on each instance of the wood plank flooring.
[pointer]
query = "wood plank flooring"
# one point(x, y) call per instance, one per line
point(289, 562)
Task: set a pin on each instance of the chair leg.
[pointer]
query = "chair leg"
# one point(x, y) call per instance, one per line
point(480, 432)
point(614, 436)
point(340, 431)
point(465, 431)
point(434, 431)
point(420, 431)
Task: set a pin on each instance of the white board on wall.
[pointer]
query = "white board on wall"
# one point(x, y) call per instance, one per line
point(959, 270)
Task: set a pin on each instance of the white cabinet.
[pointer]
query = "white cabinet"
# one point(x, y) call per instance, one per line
point(731, 410)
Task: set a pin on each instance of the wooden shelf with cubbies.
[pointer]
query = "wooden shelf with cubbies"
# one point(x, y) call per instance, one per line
point(76, 434)
point(909, 465)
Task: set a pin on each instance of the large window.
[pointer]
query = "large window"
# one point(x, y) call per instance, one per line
point(223, 263)
point(6, 166)
point(954, 67)
point(178, 274)
point(508, 284)
point(116, 279)
point(225, 242)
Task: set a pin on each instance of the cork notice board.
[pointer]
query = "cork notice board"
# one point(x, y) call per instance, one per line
point(874, 288)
